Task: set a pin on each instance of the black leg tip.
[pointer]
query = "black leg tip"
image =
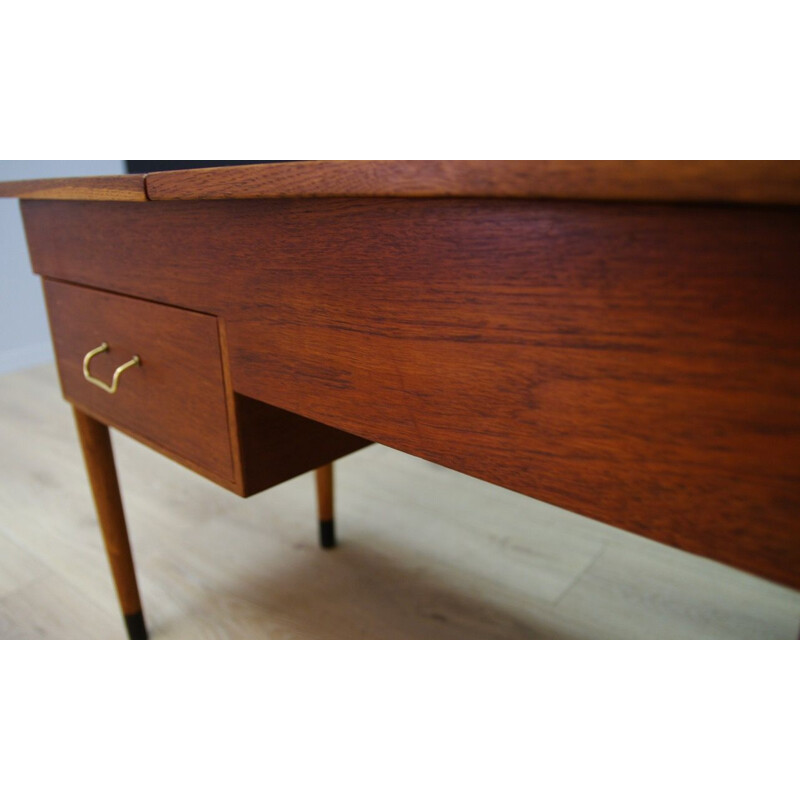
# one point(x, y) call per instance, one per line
point(135, 625)
point(327, 537)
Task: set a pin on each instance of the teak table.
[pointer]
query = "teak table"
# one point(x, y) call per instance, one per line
point(621, 339)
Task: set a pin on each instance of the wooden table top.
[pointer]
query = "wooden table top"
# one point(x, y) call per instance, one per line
point(756, 182)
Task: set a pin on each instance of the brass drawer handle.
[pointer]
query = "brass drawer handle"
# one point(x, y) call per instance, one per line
point(112, 388)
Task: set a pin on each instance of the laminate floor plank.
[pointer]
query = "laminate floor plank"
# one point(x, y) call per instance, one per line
point(425, 553)
point(17, 567)
point(52, 608)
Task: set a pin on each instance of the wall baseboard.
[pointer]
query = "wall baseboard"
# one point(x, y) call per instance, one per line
point(28, 356)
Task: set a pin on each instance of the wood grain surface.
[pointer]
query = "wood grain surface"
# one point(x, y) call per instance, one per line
point(175, 397)
point(683, 181)
point(758, 182)
point(275, 444)
point(639, 364)
point(99, 459)
point(176, 401)
point(129, 188)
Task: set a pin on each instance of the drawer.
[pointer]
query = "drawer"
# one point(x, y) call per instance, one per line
point(174, 399)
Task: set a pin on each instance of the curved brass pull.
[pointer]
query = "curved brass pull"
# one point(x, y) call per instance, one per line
point(112, 388)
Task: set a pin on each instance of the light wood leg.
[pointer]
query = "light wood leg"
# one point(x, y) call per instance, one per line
point(327, 535)
point(99, 457)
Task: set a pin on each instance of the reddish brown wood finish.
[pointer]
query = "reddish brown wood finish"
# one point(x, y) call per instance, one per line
point(230, 400)
point(110, 187)
point(324, 479)
point(672, 181)
point(176, 401)
point(99, 458)
point(176, 396)
point(636, 363)
point(685, 181)
point(276, 445)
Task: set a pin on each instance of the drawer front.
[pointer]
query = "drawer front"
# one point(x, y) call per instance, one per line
point(174, 398)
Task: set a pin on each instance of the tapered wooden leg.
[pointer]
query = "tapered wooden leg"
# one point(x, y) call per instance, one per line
point(327, 535)
point(99, 458)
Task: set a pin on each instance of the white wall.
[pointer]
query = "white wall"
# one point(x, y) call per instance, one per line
point(24, 336)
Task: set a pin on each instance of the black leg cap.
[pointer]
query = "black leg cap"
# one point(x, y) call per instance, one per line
point(327, 537)
point(135, 625)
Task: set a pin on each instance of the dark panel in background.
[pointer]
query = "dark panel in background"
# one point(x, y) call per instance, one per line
point(139, 167)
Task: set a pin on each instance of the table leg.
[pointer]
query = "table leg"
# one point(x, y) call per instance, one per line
point(99, 457)
point(327, 536)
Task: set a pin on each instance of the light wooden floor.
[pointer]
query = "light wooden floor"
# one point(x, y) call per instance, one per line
point(425, 553)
